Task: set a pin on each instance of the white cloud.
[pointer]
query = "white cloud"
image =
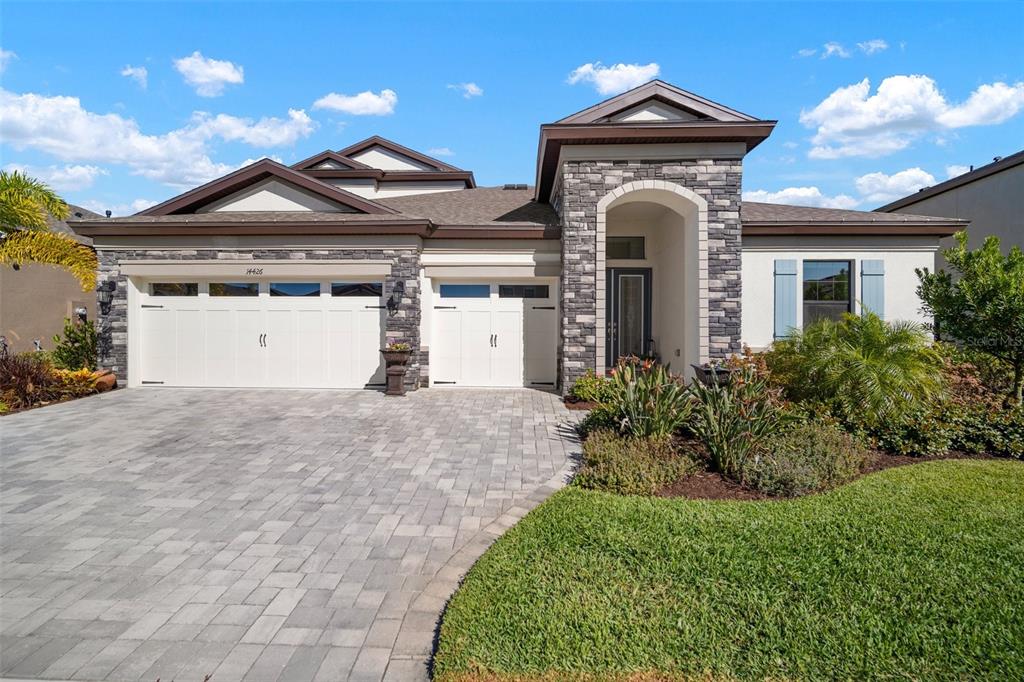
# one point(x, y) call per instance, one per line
point(61, 127)
point(870, 47)
point(61, 178)
point(119, 209)
point(801, 196)
point(440, 151)
point(611, 80)
point(955, 170)
point(6, 57)
point(807, 52)
point(266, 132)
point(469, 90)
point(853, 122)
point(365, 103)
point(880, 188)
point(208, 76)
point(139, 74)
point(833, 49)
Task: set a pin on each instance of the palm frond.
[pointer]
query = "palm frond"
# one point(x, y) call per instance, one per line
point(33, 246)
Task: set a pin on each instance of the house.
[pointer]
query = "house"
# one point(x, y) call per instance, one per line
point(633, 240)
point(991, 197)
point(35, 299)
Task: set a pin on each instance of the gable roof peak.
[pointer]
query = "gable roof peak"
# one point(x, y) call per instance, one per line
point(394, 147)
point(657, 90)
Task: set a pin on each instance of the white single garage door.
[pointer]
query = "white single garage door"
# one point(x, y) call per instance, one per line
point(262, 334)
point(494, 334)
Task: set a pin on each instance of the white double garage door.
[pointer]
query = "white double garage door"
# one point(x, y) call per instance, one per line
point(329, 335)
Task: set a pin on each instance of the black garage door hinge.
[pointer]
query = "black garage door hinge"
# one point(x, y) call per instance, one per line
point(543, 307)
point(444, 382)
point(444, 307)
point(148, 305)
point(152, 382)
point(378, 307)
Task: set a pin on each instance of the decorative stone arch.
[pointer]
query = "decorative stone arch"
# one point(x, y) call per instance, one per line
point(693, 209)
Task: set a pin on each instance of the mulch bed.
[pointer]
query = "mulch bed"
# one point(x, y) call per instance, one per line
point(574, 404)
point(708, 485)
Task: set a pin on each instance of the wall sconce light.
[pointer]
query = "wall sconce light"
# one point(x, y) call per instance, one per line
point(104, 295)
point(81, 313)
point(396, 297)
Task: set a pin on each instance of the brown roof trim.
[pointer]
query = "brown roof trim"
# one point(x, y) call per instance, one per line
point(936, 229)
point(554, 135)
point(98, 228)
point(663, 92)
point(328, 155)
point(394, 176)
point(496, 232)
point(378, 141)
point(999, 166)
point(243, 177)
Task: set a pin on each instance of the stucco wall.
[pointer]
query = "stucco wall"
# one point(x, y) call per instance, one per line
point(35, 300)
point(901, 255)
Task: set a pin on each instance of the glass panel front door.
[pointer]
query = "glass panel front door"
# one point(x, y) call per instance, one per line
point(628, 311)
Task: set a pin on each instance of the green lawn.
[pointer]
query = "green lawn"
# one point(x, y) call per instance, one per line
point(916, 573)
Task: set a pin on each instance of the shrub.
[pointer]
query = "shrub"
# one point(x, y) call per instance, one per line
point(591, 388)
point(631, 466)
point(732, 419)
point(867, 370)
point(808, 457)
point(77, 350)
point(27, 380)
point(75, 383)
point(598, 418)
point(647, 399)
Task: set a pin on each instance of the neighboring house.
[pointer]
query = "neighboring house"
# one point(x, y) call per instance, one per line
point(990, 197)
point(35, 299)
point(634, 240)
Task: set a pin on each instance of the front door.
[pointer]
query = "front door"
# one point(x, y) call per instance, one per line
point(628, 311)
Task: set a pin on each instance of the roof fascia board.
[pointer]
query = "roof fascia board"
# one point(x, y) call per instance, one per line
point(953, 183)
point(841, 228)
point(328, 155)
point(378, 141)
point(243, 177)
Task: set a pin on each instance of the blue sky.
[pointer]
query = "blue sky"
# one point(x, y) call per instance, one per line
point(873, 99)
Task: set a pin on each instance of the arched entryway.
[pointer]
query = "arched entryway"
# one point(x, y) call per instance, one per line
point(652, 274)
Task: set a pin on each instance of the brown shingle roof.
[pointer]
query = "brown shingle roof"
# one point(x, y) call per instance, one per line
point(479, 206)
point(757, 212)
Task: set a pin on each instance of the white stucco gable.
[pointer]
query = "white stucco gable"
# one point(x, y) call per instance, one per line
point(653, 110)
point(273, 195)
point(386, 159)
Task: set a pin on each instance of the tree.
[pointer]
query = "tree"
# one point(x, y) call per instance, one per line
point(25, 236)
point(983, 308)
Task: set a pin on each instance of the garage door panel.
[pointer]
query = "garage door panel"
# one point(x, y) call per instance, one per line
point(158, 338)
point(446, 350)
point(476, 348)
point(190, 347)
point(250, 356)
point(309, 341)
point(281, 348)
point(220, 347)
point(506, 355)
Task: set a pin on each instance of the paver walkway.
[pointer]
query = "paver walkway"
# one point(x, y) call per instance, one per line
point(256, 535)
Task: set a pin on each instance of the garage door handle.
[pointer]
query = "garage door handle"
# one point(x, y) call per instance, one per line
point(492, 340)
point(263, 340)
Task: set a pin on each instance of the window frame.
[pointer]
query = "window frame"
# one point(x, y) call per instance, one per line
point(628, 239)
point(478, 287)
point(804, 281)
point(525, 291)
point(254, 287)
point(271, 285)
point(151, 291)
point(379, 289)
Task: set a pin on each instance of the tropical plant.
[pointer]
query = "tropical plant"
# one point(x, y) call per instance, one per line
point(983, 306)
point(25, 236)
point(647, 399)
point(398, 347)
point(27, 380)
point(865, 369)
point(732, 419)
point(77, 350)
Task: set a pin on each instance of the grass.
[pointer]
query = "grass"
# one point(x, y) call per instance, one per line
point(916, 573)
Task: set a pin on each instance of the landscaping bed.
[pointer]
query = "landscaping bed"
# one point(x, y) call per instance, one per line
point(911, 572)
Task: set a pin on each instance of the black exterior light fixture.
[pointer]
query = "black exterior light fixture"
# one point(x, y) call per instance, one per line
point(104, 296)
point(396, 297)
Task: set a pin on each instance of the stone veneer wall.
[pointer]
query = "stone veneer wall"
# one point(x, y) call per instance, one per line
point(583, 185)
point(404, 326)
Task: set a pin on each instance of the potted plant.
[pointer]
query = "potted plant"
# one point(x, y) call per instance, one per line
point(396, 357)
point(714, 373)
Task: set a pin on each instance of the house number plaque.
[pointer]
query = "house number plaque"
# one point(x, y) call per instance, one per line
point(254, 271)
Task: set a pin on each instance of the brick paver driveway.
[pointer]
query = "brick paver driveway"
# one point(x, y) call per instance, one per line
point(263, 535)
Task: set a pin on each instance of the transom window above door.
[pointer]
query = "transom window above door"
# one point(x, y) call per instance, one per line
point(625, 248)
point(827, 291)
point(295, 288)
point(524, 291)
point(234, 289)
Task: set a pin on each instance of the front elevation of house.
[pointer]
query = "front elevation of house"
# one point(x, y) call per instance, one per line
point(633, 241)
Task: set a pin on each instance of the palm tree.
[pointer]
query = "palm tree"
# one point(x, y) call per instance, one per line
point(868, 369)
point(25, 235)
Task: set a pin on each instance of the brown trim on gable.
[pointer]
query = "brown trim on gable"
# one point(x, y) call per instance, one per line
point(663, 92)
point(496, 232)
point(328, 155)
point(97, 228)
point(262, 169)
point(378, 141)
point(554, 135)
point(394, 176)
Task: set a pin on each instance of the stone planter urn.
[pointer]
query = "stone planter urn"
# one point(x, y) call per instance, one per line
point(713, 375)
point(396, 358)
